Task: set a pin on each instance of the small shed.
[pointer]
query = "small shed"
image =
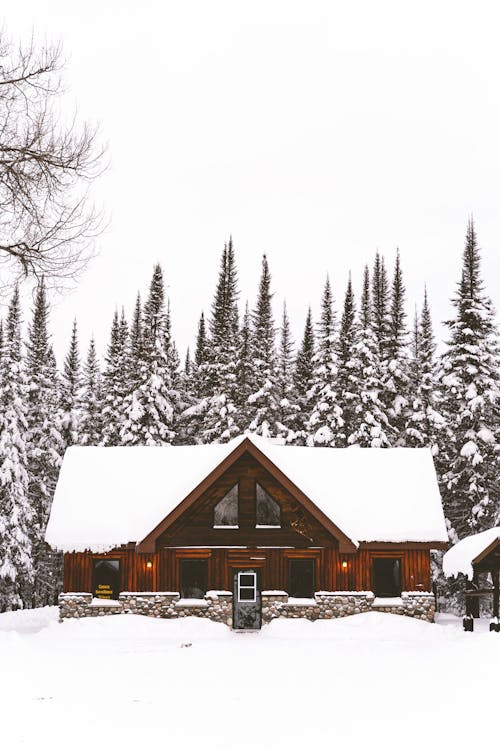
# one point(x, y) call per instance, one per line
point(478, 553)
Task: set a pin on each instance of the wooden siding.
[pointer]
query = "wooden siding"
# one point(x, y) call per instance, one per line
point(330, 575)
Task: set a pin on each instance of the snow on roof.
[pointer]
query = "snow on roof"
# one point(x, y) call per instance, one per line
point(106, 497)
point(459, 558)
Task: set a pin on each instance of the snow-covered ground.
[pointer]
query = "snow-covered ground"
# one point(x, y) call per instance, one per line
point(375, 680)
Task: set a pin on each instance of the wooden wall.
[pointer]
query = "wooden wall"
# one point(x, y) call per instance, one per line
point(163, 575)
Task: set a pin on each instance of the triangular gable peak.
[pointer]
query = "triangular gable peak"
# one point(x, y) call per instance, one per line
point(148, 544)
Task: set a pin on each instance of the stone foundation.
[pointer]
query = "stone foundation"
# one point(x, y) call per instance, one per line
point(218, 605)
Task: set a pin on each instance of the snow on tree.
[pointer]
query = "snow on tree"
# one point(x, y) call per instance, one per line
point(133, 369)
point(348, 384)
point(16, 514)
point(70, 393)
point(44, 446)
point(116, 380)
point(326, 418)
point(195, 388)
point(303, 380)
point(91, 424)
point(380, 315)
point(174, 378)
point(370, 419)
point(469, 377)
point(244, 370)
point(288, 409)
point(263, 402)
point(148, 410)
point(424, 423)
point(395, 372)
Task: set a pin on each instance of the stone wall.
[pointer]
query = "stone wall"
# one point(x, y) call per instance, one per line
point(217, 605)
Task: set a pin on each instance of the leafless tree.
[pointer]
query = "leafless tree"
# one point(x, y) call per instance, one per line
point(48, 223)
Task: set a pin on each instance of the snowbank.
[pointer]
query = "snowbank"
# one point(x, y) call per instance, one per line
point(106, 497)
point(460, 557)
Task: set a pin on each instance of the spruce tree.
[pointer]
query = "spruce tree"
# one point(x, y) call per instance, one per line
point(70, 399)
point(348, 384)
point(263, 402)
point(91, 424)
point(135, 351)
point(244, 371)
point(148, 410)
point(326, 418)
point(303, 380)
point(44, 447)
point(380, 315)
point(196, 389)
point(16, 514)
point(115, 382)
point(288, 411)
point(470, 380)
point(396, 373)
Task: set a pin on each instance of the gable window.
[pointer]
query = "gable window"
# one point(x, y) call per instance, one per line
point(268, 512)
point(226, 510)
point(193, 579)
point(386, 576)
point(301, 579)
point(105, 578)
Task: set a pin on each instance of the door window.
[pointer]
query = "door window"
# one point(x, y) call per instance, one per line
point(247, 586)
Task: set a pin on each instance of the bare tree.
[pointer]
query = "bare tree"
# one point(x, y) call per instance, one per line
point(47, 221)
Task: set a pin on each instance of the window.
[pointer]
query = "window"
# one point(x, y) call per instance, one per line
point(386, 573)
point(106, 578)
point(193, 579)
point(247, 586)
point(226, 510)
point(267, 512)
point(301, 579)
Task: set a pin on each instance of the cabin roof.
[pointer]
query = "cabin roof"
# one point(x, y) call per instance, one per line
point(106, 497)
point(468, 551)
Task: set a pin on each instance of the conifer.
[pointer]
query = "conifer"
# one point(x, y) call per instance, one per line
point(70, 400)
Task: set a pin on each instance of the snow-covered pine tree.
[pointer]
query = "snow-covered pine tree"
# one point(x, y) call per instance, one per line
point(303, 380)
point(115, 381)
point(219, 405)
point(371, 419)
point(396, 381)
point(326, 418)
point(196, 389)
point(469, 460)
point(380, 314)
point(44, 447)
point(263, 402)
point(174, 377)
point(288, 408)
point(135, 349)
point(70, 393)
point(148, 410)
point(91, 424)
point(244, 371)
point(424, 421)
point(16, 515)
point(348, 384)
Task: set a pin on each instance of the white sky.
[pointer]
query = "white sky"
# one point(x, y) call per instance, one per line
point(314, 131)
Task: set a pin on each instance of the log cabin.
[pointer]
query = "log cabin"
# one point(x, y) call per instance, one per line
point(246, 531)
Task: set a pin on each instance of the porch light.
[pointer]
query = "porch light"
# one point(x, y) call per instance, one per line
point(149, 564)
point(344, 564)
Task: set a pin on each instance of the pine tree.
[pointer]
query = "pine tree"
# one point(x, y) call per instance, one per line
point(196, 389)
point(44, 447)
point(91, 425)
point(115, 382)
point(244, 371)
point(371, 423)
point(469, 376)
point(70, 399)
point(263, 402)
point(380, 316)
point(424, 421)
point(349, 385)
point(174, 379)
point(148, 410)
point(326, 418)
point(135, 353)
point(16, 515)
point(303, 380)
point(288, 411)
point(396, 377)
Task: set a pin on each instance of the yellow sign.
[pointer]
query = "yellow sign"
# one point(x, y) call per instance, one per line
point(104, 591)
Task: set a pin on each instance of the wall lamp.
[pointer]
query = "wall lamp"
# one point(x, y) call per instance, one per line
point(149, 564)
point(344, 564)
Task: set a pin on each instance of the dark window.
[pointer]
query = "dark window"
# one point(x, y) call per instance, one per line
point(301, 582)
point(247, 587)
point(386, 576)
point(226, 510)
point(106, 578)
point(193, 579)
point(268, 512)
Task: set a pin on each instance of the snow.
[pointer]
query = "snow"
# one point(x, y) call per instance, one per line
point(127, 681)
point(460, 557)
point(106, 497)
point(387, 601)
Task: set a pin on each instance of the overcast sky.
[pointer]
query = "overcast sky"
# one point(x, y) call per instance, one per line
point(315, 132)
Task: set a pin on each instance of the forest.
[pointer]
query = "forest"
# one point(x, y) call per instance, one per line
point(365, 374)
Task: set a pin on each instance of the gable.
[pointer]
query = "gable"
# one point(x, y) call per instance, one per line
point(192, 523)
